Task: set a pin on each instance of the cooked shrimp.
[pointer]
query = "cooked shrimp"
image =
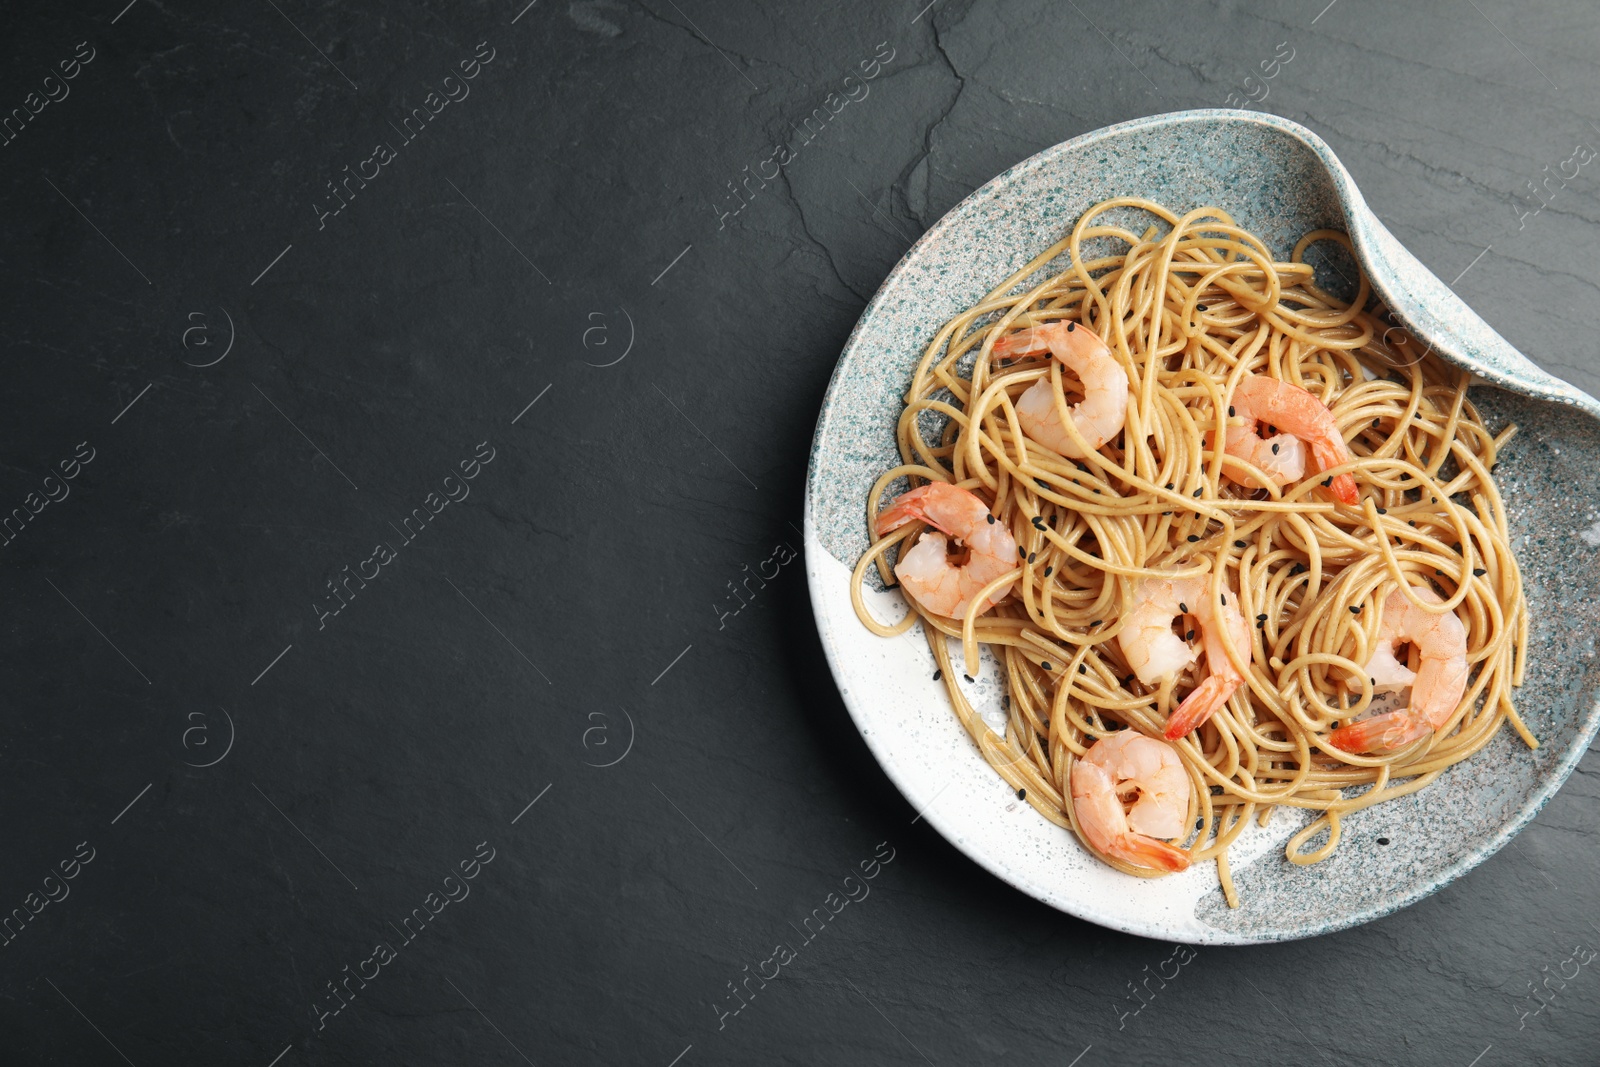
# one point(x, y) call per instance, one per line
point(1156, 653)
point(1104, 408)
point(1306, 422)
point(927, 572)
point(1436, 688)
point(1281, 458)
point(1129, 792)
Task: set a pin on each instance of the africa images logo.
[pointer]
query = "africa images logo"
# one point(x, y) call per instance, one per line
point(411, 126)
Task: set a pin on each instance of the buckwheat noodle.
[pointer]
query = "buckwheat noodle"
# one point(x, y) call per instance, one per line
point(1192, 305)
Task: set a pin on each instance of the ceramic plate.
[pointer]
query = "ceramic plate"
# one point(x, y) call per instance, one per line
point(1279, 180)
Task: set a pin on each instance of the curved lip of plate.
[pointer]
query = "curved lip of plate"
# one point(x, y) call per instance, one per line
point(1361, 223)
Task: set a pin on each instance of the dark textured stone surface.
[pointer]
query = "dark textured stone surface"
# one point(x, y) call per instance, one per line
point(520, 639)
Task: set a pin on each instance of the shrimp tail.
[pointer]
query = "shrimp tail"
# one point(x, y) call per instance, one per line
point(1145, 851)
point(1331, 452)
point(1344, 489)
point(1380, 733)
point(907, 507)
point(1200, 705)
point(1024, 342)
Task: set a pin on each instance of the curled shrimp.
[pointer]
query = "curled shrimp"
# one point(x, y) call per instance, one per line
point(1306, 422)
point(1156, 653)
point(1129, 792)
point(1104, 408)
point(927, 572)
point(1436, 688)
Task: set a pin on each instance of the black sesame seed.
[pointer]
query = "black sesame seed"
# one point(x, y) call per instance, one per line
point(990, 518)
point(1189, 636)
point(1083, 668)
point(1095, 623)
point(1328, 480)
point(969, 677)
point(1031, 556)
point(1193, 538)
point(1199, 307)
point(1199, 823)
point(1166, 513)
point(1169, 485)
point(1383, 511)
point(1478, 572)
point(1071, 326)
point(938, 674)
point(1275, 450)
point(1230, 411)
point(1047, 571)
point(1021, 551)
point(1238, 544)
point(1183, 607)
point(1376, 421)
point(1261, 618)
point(1200, 490)
point(1045, 664)
point(1224, 600)
point(1383, 840)
point(1438, 571)
point(1022, 794)
point(1355, 609)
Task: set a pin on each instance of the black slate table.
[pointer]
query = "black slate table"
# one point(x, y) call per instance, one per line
point(393, 392)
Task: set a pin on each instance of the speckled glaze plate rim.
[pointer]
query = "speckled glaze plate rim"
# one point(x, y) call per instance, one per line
point(1358, 219)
